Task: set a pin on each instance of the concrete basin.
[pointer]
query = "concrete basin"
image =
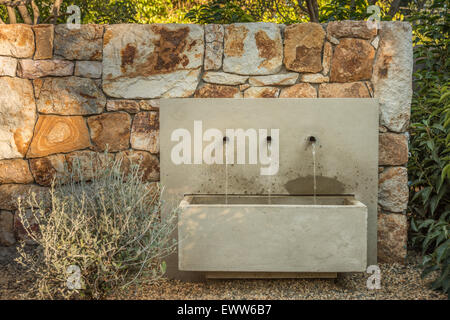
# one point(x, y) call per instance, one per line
point(286, 234)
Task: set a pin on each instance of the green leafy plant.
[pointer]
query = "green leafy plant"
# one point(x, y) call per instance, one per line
point(219, 11)
point(101, 221)
point(429, 163)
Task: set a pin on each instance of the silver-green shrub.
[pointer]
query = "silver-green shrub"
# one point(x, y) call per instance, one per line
point(99, 230)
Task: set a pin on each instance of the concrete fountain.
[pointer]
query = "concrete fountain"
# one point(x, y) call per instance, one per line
point(271, 187)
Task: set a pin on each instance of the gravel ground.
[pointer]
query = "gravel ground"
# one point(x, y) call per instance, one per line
point(397, 282)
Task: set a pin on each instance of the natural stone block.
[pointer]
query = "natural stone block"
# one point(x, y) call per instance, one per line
point(352, 61)
point(10, 193)
point(110, 131)
point(88, 162)
point(145, 132)
point(393, 189)
point(262, 92)
point(224, 78)
point(392, 237)
point(7, 237)
point(152, 61)
point(300, 90)
point(130, 106)
point(89, 69)
point(33, 69)
point(303, 47)
point(149, 105)
point(213, 55)
point(16, 40)
point(350, 29)
point(147, 162)
point(214, 33)
point(393, 149)
point(45, 34)
point(327, 54)
point(56, 134)
point(15, 171)
point(69, 96)
point(392, 75)
point(79, 44)
point(375, 42)
point(48, 168)
point(282, 79)
point(18, 116)
point(217, 91)
point(8, 66)
point(252, 48)
point(315, 78)
point(343, 90)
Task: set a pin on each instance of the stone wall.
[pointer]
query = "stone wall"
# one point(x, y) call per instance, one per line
point(70, 93)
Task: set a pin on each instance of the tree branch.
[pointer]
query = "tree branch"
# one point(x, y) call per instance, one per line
point(55, 9)
point(14, 3)
point(25, 14)
point(11, 15)
point(1, 21)
point(36, 13)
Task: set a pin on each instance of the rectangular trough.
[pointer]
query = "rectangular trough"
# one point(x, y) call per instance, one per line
point(289, 234)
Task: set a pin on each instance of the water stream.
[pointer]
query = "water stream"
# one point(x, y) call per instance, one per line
point(314, 171)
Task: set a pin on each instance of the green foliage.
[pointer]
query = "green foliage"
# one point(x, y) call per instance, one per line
point(220, 12)
point(429, 164)
point(101, 220)
point(336, 10)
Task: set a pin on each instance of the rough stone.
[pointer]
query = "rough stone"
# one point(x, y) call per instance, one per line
point(145, 132)
point(15, 171)
point(147, 162)
point(352, 61)
point(56, 134)
point(327, 54)
point(149, 105)
point(393, 149)
point(393, 189)
point(303, 47)
point(48, 168)
point(33, 69)
point(315, 78)
point(9, 194)
point(152, 61)
point(110, 131)
point(79, 44)
point(8, 66)
point(213, 55)
point(16, 40)
point(375, 42)
point(18, 115)
point(89, 69)
point(7, 237)
point(130, 106)
point(283, 79)
point(45, 34)
point(224, 78)
point(69, 96)
point(262, 92)
point(88, 162)
point(392, 237)
point(300, 90)
point(350, 29)
point(252, 48)
point(214, 33)
point(343, 90)
point(217, 91)
point(392, 76)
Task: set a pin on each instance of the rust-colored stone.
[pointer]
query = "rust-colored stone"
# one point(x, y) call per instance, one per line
point(393, 189)
point(7, 237)
point(46, 169)
point(300, 90)
point(56, 134)
point(350, 29)
point(303, 47)
point(15, 171)
point(148, 163)
point(234, 40)
point(392, 237)
point(45, 35)
point(352, 61)
point(145, 132)
point(217, 91)
point(10, 193)
point(110, 131)
point(16, 40)
point(393, 149)
point(84, 43)
point(343, 90)
point(261, 92)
